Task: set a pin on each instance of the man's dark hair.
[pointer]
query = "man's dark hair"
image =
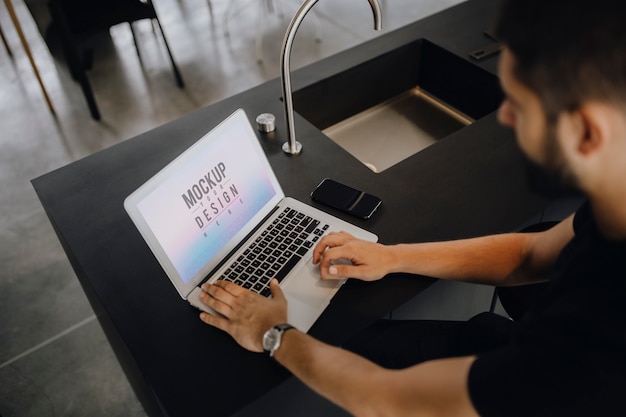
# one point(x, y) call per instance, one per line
point(567, 51)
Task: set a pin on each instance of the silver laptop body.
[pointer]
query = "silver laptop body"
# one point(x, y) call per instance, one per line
point(208, 213)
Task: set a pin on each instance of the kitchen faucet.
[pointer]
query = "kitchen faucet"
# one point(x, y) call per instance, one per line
point(292, 146)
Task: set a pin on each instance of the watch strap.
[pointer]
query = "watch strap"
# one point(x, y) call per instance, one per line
point(281, 328)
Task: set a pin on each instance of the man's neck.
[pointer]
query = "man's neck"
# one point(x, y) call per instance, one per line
point(610, 215)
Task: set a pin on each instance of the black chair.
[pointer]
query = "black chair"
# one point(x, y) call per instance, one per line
point(75, 20)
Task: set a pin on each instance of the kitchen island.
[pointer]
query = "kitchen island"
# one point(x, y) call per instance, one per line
point(468, 183)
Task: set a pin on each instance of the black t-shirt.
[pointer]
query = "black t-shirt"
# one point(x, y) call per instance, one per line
point(568, 355)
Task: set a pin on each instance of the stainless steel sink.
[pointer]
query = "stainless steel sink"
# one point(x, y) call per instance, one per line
point(386, 109)
point(393, 130)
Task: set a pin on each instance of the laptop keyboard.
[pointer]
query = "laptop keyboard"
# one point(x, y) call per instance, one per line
point(276, 251)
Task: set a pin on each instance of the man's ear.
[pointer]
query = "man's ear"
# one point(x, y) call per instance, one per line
point(592, 127)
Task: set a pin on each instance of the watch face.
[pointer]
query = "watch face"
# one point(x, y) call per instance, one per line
point(270, 338)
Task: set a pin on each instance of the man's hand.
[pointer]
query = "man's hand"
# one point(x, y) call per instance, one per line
point(246, 315)
point(341, 255)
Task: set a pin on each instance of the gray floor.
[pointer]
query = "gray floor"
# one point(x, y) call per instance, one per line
point(54, 359)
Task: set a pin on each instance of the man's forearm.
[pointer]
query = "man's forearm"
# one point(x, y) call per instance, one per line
point(496, 260)
point(364, 389)
point(331, 372)
point(505, 259)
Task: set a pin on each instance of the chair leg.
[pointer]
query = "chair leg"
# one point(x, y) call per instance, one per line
point(179, 79)
point(132, 31)
point(6, 44)
point(210, 9)
point(74, 59)
point(259, 33)
point(85, 85)
point(177, 76)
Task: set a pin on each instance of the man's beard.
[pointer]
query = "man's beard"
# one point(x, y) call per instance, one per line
point(552, 178)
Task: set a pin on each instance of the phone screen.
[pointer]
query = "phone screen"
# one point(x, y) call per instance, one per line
point(346, 198)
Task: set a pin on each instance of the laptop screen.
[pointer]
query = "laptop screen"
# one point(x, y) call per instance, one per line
point(199, 207)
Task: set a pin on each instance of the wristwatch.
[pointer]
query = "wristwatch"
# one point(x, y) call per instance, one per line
point(273, 337)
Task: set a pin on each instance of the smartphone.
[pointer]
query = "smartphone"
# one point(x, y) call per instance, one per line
point(345, 198)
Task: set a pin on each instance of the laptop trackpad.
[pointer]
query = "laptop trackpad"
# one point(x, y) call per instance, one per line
point(307, 287)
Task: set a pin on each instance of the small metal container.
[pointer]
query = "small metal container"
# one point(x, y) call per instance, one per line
point(266, 122)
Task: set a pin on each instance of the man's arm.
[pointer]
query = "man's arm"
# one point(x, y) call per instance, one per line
point(437, 388)
point(505, 259)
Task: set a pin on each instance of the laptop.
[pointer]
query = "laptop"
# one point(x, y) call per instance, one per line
point(218, 212)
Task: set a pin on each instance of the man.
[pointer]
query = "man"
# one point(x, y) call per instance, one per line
point(563, 71)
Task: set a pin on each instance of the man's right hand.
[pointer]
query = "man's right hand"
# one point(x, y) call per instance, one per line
point(341, 255)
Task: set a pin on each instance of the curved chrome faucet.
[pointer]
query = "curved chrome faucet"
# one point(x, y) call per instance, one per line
point(292, 146)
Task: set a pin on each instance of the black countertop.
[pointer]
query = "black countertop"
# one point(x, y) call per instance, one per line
point(470, 183)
